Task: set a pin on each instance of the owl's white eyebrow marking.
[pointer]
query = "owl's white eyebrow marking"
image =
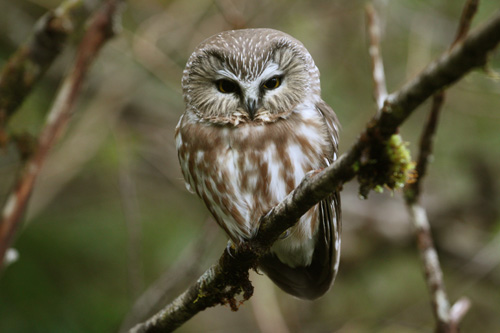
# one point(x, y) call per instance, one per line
point(270, 70)
point(224, 73)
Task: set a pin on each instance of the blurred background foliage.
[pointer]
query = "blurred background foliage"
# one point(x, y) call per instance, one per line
point(110, 215)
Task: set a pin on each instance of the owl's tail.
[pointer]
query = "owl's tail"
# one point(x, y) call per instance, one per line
point(313, 281)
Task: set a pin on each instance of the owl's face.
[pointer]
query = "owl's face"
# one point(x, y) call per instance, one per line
point(248, 76)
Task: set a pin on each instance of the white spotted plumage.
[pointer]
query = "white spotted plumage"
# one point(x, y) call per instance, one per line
point(244, 150)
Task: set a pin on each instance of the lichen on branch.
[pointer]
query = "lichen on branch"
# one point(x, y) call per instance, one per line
point(385, 164)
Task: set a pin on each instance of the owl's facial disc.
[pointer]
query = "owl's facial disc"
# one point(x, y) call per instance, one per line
point(253, 92)
point(226, 86)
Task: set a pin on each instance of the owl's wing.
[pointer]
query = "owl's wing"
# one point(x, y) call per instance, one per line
point(332, 125)
point(313, 281)
point(333, 218)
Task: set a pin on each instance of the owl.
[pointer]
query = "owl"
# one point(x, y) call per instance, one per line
point(254, 125)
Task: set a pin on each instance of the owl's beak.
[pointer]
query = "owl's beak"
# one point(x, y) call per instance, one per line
point(251, 107)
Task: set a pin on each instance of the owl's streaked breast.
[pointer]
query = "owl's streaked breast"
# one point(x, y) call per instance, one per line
point(242, 172)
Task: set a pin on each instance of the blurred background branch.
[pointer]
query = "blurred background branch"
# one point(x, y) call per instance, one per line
point(30, 62)
point(378, 74)
point(447, 319)
point(101, 28)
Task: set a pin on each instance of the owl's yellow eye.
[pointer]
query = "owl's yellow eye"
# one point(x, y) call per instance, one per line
point(226, 86)
point(272, 83)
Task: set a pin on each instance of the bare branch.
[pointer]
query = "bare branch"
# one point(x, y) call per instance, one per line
point(468, 13)
point(378, 74)
point(420, 223)
point(99, 31)
point(229, 277)
point(412, 190)
point(430, 262)
point(29, 63)
point(418, 216)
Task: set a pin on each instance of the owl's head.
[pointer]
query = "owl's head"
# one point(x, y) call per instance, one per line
point(249, 76)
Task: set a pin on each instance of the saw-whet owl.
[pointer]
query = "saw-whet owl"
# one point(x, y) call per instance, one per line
point(254, 125)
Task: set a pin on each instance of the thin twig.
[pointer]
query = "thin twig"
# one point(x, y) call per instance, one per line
point(420, 223)
point(445, 322)
point(378, 74)
point(229, 277)
point(426, 141)
point(100, 30)
point(430, 263)
point(412, 190)
point(468, 13)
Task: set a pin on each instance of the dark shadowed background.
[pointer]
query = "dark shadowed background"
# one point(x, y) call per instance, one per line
point(110, 214)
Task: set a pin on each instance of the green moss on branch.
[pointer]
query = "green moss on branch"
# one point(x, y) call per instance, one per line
point(386, 164)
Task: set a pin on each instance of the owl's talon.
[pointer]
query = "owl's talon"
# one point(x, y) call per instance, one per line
point(313, 172)
point(229, 248)
point(285, 234)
